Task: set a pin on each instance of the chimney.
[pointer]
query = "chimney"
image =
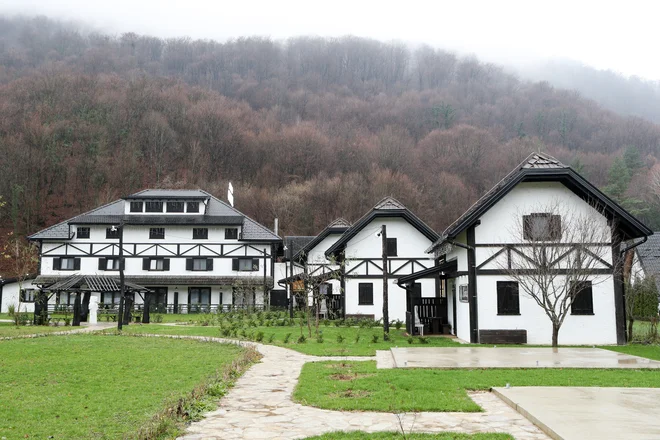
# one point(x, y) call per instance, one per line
point(276, 226)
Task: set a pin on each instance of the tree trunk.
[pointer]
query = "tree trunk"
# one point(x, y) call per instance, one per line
point(555, 335)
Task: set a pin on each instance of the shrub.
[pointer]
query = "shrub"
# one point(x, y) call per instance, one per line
point(338, 322)
point(326, 322)
point(271, 338)
point(243, 333)
point(259, 336)
point(11, 309)
point(374, 339)
point(302, 339)
point(398, 324)
point(423, 340)
point(225, 332)
point(158, 318)
point(340, 339)
point(287, 337)
point(411, 339)
point(21, 318)
point(319, 339)
point(357, 338)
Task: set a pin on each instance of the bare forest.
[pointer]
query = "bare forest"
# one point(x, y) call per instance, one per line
point(306, 129)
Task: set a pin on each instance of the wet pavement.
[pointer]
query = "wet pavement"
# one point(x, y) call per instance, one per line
point(489, 357)
point(579, 413)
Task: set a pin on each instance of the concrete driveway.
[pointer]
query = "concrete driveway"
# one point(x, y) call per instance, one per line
point(578, 413)
point(489, 357)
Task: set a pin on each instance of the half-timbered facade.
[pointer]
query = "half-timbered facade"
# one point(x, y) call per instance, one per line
point(192, 250)
point(532, 212)
point(358, 253)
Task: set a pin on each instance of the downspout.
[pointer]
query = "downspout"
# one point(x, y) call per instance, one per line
point(620, 292)
point(634, 245)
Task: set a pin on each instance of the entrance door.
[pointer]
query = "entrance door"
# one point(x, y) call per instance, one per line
point(157, 300)
point(278, 299)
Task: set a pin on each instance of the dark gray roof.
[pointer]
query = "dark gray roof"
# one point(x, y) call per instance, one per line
point(649, 257)
point(295, 243)
point(169, 194)
point(539, 167)
point(337, 226)
point(217, 213)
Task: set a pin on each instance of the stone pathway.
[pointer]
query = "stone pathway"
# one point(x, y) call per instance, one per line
point(71, 330)
point(259, 406)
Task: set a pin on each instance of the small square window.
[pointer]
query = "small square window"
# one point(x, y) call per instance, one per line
point(157, 233)
point(156, 264)
point(136, 206)
point(67, 263)
point(508, 300)
point(192, 207)
point(175, 206)
point(365, 294)
point(199, 263)
point(82, 232)
point(542, 227)
point(200, 233)
point(153, 206)
point(231, 233)
point(583, 300)
point(112, 232)
point(245, 264)
point(112, 264)
point(391, 247)
point(27, 295)
point(463, 293)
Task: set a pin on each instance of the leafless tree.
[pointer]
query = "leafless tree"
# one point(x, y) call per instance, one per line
point(561, 248)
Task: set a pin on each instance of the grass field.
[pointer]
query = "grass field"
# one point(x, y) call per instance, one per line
point(360, 435)
point(8, 329)
point(97, 387)
point(647, 351)
point(360, 386)
point(329, 347)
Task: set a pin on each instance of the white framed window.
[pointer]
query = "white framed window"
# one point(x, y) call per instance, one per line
point(27, 295)
point(199, 263)
point(156, 264)
point(112, 264)
point(67, 263)
point(463, 293)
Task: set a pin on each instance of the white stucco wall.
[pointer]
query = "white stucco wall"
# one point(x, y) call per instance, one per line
point(10, 296)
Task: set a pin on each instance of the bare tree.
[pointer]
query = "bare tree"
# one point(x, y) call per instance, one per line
point(561, 249)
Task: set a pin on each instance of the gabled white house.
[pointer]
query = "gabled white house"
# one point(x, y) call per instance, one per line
point(193, 251)
point(478, 252)
point(358, 252)
point(18, 293)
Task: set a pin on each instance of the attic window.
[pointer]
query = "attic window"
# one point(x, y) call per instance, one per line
point(175, 206)
point(153, 206)
point(136, 206)
point(542, 227)
point(231, 233)
point(192, 207)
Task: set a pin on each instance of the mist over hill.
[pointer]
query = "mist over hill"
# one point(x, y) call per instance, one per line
point(307, 129)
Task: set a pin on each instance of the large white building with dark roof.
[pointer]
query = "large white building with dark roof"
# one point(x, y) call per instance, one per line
point(193, 252)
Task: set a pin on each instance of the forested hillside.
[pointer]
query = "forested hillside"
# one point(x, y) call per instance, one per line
point(307, 129)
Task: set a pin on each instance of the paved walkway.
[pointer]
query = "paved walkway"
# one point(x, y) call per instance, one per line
point(485, 357)
point(259, 406)
point(578, 413)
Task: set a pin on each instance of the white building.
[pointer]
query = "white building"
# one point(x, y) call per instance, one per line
point(17, 293)
point(192, 250)
point(479, 251)
point(357, 254)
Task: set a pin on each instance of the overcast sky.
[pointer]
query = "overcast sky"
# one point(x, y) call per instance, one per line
point(621, 35)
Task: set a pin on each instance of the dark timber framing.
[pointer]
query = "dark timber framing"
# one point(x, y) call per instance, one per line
point(472, 286)
point(619, 300)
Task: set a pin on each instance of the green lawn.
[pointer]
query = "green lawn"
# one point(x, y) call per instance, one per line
point(360, 435)
point(8, 329)
point(97, 387)
point(329, 347)
point(360, 386)
point(647, 351)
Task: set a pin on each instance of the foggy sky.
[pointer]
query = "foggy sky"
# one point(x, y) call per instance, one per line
point(617, 35)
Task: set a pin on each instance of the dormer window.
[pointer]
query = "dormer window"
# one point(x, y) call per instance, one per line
point(136, 206)
point(157, 233)
point(153, 206)
point(82, 232)
point(112, 232)
point(192, 207)
point(175, 206)
point(231, 233)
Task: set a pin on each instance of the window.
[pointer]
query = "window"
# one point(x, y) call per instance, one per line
point(365, 294)
point(27, 295)
point(82, 233)
point(136, 206)
point(463, 293)
point(231, 233)
point(200, 233)
point(65, 298)
point(66, 263)
point(153, 206)
point(156, 264)
point(243, 296)
point(542, 227)
point(245, 264)
point(108, 263)
point(110, 298)
point(109, 233)
point(192, 207)
point(175, 206)
point(157, 233)
point(583, 301)
point(508, 301)
point(391, 247)
point(199, 264)
point(199, 296)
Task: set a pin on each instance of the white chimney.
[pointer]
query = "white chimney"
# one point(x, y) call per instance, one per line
point(276, 226)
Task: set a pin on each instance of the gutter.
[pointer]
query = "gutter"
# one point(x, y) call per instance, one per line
point(634, 245)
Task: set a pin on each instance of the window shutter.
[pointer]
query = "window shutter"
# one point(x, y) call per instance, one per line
point(76, 264)
point(555, 227)
point(189, 264)
point(102, 263)
point(122, 263)
point(255, 264)
point(166, 264)
point(145, 264)
point(209, 264)
point(234, 264)
point(56, 264)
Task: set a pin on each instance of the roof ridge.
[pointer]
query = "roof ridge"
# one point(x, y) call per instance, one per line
point(339, 222)
point(389, 202)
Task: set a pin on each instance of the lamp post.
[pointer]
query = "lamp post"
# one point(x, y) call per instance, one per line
point(120, 312)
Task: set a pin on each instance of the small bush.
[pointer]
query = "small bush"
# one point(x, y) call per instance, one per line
point(423, 340)
point(398, 324)
point(326, 322)
point(271, 338)
point(357, 338)
point(374, 339)
point(319, 339)
point(287, 338)
point(158, 318)
point(340, 339)
point(11, 309)
point(302, 339)
point(225, 332)
point(243, 333)
point(411, 339)
point(338, 323)
point(259, 336)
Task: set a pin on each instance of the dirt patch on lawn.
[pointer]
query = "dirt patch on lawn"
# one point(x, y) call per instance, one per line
point(344, 377)
point(339, 365)
point(351, 394)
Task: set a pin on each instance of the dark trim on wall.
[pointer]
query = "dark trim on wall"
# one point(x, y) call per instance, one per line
point(548, 244)
point(342, 286)
point(472, 286)
point(619, 298)
point(531, 272)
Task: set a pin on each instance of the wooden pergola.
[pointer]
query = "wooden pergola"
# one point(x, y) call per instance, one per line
point(85, 285)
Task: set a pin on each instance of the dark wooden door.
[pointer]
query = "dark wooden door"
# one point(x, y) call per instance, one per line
point(278, 299)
